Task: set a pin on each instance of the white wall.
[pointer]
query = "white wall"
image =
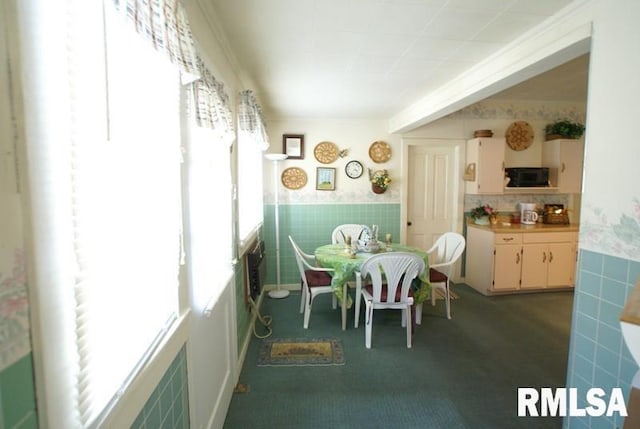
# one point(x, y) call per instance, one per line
point(611, 199)
point(355, 135)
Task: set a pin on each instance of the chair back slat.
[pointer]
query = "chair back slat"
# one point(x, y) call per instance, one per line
point(341, 231)
point(399, 270)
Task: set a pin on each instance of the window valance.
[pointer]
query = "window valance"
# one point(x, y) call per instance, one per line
point(165, 24)
point(250, 118)
point(211, 104)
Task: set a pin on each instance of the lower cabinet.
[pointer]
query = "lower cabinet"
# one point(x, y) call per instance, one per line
point(548, 259)
point(518, 262)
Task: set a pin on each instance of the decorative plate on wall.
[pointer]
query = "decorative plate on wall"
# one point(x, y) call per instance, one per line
point(294, 178)
point(380, 152)
point(326, 152)
point(519, 135)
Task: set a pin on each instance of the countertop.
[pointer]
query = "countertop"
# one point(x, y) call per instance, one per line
point(519, 227)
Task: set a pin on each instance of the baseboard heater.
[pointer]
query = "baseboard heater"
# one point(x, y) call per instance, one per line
point(257, 269)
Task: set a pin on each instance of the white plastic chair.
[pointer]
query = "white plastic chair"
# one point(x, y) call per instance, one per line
point(399, 270)
point(341, 231)
point(314, 281)
point(442, 256)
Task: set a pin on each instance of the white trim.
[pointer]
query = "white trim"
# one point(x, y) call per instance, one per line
point(135, 397)
point(562, 37)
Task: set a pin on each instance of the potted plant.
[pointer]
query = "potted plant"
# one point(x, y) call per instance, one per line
point(564, 129)
point(481, 214)
point(379, 181)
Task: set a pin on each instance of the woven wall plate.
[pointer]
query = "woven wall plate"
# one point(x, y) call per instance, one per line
point(294, 178)
point(519, 135)
point(380, 152)
point(326, 152)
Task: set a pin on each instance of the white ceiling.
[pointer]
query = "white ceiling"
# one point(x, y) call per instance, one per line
point(373, 58)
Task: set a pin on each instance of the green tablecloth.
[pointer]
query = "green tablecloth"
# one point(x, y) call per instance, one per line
point(336, 256)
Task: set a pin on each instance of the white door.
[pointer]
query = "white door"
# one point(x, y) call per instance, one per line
point(433, 190)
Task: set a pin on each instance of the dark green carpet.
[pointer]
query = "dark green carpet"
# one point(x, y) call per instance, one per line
point(460, 373)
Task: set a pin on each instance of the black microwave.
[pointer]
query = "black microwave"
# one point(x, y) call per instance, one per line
point(527, 177)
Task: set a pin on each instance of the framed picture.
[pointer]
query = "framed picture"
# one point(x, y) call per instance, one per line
point(325, 179)
point(293, 146)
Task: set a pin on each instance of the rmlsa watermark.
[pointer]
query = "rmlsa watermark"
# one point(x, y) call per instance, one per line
point(563, 401)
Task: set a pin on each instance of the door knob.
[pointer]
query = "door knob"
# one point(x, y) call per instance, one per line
point(409, 223)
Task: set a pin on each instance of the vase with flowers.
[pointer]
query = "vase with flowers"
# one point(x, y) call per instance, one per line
point(481, 214)
point(379, 181)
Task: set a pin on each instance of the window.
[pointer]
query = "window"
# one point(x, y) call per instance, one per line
point(106, 204)
point(209, 232)
point(252, 141)
point(249, 186)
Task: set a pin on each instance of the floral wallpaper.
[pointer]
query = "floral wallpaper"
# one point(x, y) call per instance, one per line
point(14, 303)
point(611, 233)
point(312, 196)
point(522, 110)
point(14, 312)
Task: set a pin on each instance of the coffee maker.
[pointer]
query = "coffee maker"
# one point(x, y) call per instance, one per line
point(528, 213)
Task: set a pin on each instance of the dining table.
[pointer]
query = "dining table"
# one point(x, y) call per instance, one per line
point(345, 262)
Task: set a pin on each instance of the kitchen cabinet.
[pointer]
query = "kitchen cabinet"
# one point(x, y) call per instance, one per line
point(520, 258)
point(548, 260)
point(565, 159)
point(484, 173)
point(507, 261)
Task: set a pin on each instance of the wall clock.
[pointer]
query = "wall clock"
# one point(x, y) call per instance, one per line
point(354, 169)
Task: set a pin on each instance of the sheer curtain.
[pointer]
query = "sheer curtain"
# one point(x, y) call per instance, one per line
point(105, 202)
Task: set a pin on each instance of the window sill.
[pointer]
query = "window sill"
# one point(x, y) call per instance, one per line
point(132, 401)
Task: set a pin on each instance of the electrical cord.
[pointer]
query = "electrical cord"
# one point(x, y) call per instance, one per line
point(265, 320)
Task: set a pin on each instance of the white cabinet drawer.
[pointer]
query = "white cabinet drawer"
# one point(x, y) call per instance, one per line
point(550, 237)
point(508, 238)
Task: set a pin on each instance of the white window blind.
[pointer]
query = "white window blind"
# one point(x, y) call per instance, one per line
point(127, 213)
point(250, 214)
point(106, 206)
point(209, 230)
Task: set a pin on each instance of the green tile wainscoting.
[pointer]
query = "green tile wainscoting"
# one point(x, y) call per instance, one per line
point(311, 226)
point(598, 355)
point(17, 396)
point(168, 406)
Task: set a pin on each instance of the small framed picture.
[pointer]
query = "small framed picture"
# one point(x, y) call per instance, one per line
point(293, 146)
point(325, 179)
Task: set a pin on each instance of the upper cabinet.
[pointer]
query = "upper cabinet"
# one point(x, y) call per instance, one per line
point(484, 173)
point(565, 160)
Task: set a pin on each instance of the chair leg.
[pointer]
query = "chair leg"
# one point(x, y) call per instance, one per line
point(407, 315)
point(419, 314)
point(357, 309)
point(368, 323)
point(448, 300)
point(307, 311)
point(334, 301)
point(343, 307)
point(303, 296)
point(433, 296)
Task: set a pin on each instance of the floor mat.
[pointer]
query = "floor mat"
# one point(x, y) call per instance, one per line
point(301, 352)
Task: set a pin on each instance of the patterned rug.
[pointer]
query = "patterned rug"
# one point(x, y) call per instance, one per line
point(301, 352)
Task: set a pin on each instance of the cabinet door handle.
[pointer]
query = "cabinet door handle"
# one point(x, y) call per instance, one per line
point(518, 258)
point(544, 256)
point(563, 168)
point(550, 256)
point(507, 239)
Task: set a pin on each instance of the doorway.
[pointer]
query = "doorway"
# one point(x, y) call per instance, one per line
point(433, 195)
